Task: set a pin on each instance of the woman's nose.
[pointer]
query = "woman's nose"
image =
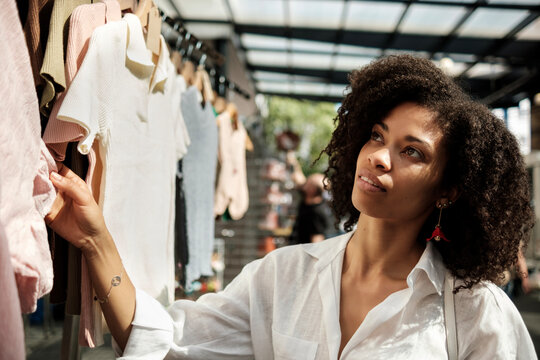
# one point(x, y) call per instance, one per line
point(381, 159)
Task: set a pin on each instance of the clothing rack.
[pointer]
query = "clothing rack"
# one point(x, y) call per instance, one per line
point(188, 44)
point(70, 346)
point(223, 83)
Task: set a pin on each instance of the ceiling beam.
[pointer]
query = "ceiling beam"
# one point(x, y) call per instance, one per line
point(338, 77)
point(511, 87)
point(479, 87)
point(392, 37)
point(510, 37)
point(483, 4)
point(453, 33)
point(338, 39)
point(521, 53)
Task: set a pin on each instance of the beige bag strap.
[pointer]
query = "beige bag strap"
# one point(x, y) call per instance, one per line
point(450, 317)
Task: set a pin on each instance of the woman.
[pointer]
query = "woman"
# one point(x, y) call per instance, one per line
point(412, 158)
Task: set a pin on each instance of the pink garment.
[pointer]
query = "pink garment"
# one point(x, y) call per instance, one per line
point(11, 330)
point(84, 20)
point(232, 188)
point(26, 194)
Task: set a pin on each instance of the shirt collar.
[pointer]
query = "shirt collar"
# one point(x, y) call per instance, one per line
point(430, 262)
point(163, 68)
point(140, 58)
point(328, 250)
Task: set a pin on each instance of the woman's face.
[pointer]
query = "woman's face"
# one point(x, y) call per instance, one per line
point(399, 170)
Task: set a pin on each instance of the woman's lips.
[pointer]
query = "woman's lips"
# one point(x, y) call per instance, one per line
point(369, 182)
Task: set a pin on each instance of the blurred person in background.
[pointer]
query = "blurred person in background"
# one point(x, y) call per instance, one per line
point(314, 219)
point(518, 275)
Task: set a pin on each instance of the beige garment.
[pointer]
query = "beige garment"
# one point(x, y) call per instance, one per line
point(232, 189)
point(52, 69)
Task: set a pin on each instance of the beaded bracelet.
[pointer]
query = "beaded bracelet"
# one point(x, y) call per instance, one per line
point(115, 281)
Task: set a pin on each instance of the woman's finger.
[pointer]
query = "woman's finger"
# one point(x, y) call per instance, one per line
point(70, 185)
point(68, 173)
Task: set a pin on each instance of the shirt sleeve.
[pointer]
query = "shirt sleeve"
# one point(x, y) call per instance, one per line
point(217, 326)
point(87, 98)
point(490, 327)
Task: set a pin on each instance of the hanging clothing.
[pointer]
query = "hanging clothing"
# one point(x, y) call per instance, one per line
point(232, 187)
point(36, 31)
point(67, 274)
point(182, 136)
point(67, 259)
point(181, 250)
point(11, 330)
point(52, 68)
point(83, 21)
point(199, 169)
point(125, 101)
point(26, 193)
point(286, 306)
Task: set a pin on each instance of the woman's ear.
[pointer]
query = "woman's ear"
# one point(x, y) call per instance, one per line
point(452, 195)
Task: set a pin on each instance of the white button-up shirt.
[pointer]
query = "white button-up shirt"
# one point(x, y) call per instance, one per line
point(286, 306)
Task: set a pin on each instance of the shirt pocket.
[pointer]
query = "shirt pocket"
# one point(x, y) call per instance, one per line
point(292, 348)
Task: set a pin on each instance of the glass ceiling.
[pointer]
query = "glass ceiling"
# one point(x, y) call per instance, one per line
point(307, 46)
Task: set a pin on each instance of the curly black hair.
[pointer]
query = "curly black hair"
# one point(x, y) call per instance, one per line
point(492, 217)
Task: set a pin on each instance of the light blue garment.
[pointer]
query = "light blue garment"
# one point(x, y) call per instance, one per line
point(199, 168)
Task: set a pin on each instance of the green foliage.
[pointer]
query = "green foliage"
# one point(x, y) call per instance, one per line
point(312, 121)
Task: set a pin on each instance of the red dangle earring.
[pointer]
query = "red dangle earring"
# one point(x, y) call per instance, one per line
point(437, 234)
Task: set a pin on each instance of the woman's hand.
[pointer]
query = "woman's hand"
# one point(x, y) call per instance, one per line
point(77, 218)
point(75, 215)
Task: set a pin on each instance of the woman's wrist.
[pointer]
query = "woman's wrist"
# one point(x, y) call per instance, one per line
point(97, 245)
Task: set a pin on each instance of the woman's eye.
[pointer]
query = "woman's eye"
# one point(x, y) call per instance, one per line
point(376, 136)
point(412, 152)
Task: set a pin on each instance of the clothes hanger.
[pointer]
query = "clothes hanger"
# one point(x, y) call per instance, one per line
point(198, 81)
point(232, 109)
point(202, 80)
point(188, 72)
point(233, 113)
point(176, 59)
point(188, 69)
point(176, 54)
point(142, 11)
point(208, 94)
point(148, 14)
point(153, 34)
